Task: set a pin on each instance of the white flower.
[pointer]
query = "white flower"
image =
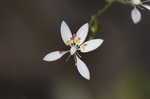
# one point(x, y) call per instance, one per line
point(135, 13)
point(76, 43)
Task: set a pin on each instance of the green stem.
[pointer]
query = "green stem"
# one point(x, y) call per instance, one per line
point(94, 22)
point(126, 2)
point(101, 11)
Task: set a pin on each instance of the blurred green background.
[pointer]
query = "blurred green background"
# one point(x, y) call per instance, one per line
point(29, 29)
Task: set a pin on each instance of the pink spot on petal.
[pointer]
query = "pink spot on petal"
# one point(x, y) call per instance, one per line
point(71, 38)
point(74, 34)
point(85, 44)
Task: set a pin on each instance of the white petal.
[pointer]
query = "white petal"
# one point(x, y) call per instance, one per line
point(81, 34)
point(52, 56)
point(146, 6)
point(90, 45)
point(136, 15)
point(82, 68)
point(65, 33)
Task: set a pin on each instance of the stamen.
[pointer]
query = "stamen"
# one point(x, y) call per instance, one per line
point(71, 38)
point(75, 59)
point(67, 59)
point(85, 45)
point(77, 41)
point(74, 35)
point(79, 55)
point(79, 38)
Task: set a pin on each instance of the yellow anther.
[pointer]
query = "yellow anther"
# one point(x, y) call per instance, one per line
point(69, 41)
point(78, 41)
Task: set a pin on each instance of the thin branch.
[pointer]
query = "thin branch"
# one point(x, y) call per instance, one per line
point(101, 11)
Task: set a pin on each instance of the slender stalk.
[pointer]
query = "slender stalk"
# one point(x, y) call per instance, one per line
point(95, 24)
point(101, 11)
point(94, 21)
point(126, 2)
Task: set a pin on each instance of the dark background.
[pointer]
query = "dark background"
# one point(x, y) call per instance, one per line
point(29, 29)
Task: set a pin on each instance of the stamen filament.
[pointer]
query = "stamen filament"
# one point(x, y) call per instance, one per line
point(79, 55)
point(74, 56)
point(67, 59)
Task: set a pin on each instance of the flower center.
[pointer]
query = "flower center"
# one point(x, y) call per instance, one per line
point(73, 50)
